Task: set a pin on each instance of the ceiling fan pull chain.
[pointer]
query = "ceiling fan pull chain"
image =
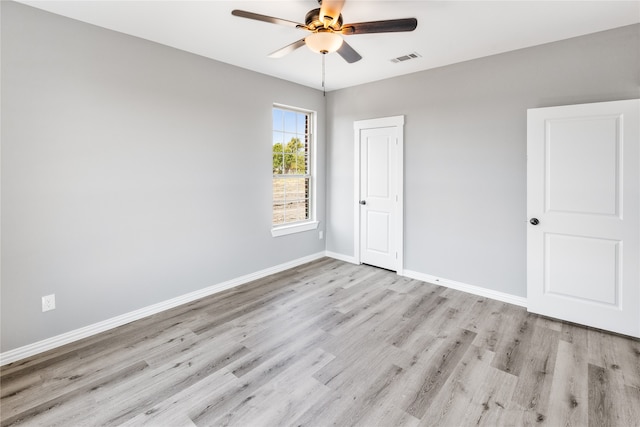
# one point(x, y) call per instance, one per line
point(324, 90)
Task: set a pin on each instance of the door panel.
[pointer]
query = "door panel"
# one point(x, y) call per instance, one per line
point(378, 232)
point(590, 148)
point(377, 163)
point(591, 263)
point(583, 185)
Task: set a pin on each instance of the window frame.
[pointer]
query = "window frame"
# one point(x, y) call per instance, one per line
point(311, 223)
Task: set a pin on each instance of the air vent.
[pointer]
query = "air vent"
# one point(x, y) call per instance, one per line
point(406, 57)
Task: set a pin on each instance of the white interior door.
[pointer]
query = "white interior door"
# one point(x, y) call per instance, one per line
point(583, 192)
point(379, 192)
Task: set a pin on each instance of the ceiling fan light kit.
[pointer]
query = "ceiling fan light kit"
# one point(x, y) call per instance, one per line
point(323, 42)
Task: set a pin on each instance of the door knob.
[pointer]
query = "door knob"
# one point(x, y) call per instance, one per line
point(363, 202)
point(534, 221)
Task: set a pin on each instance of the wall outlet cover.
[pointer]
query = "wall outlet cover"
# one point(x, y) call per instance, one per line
point(48, 302)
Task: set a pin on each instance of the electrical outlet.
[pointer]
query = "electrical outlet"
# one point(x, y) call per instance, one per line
point(48, 302)
point(320, 235)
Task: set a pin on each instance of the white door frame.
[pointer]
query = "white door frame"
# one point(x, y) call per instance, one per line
point(358, 126)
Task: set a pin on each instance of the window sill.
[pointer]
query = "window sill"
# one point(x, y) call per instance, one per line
point(294, 228)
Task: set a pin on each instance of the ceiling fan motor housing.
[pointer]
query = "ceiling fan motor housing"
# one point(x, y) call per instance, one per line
point(313, 22)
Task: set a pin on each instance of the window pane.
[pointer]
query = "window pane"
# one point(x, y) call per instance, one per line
point(301, 163)
point(278, 162)
point(290, 121)
point(278, 119)
point(297, 165)
point(278, 213)
point(278, 137)
point(294, 188)
point(296, 211)
point(292, 143)
point(278, 191)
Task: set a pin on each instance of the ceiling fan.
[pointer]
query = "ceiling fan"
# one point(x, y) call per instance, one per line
point(327, 28)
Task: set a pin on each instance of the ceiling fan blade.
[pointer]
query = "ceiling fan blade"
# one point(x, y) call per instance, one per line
point(331, 8)
point(388, 26)
point(265, 18)
point(348, 53)
point(287, 49)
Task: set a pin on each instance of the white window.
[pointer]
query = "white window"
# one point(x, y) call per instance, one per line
point(292, 182)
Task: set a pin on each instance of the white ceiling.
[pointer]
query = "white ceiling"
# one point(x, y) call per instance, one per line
point(448, 31)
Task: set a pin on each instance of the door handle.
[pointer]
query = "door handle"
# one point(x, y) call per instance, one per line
point(534, 221)
point(363, 202)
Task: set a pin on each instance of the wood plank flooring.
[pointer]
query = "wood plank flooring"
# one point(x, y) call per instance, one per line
point(331, 343)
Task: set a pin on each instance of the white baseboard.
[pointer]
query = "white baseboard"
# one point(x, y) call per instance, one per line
point(87, 331)
point(471, 289)
point(341, 257)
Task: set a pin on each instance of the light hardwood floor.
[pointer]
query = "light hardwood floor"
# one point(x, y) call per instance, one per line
point(330, 343)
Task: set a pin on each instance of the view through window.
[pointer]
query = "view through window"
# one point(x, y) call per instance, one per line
point(291, 166)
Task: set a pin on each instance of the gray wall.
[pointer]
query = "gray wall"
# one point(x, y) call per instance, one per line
point(132, 173)
point(465, 149)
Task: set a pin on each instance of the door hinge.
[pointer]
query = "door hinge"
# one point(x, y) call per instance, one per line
point(396, 255)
